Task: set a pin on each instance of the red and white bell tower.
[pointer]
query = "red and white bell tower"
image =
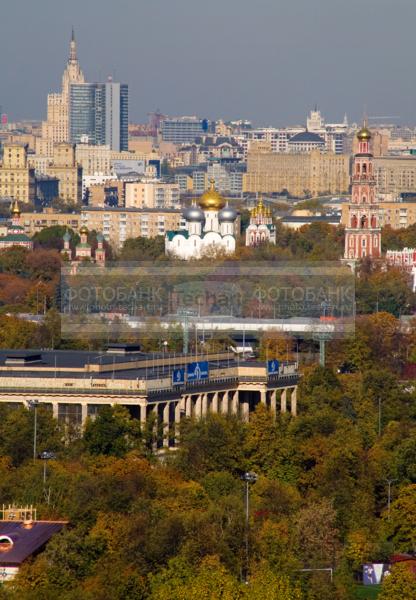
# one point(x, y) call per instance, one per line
point(363, 233)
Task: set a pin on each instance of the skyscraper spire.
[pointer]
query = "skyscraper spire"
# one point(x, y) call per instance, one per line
point(73, 48)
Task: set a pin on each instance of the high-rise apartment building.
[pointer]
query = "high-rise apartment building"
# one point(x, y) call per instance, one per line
point(183, 130)
point(17, 177)
point(56, 127)
point(98, 114)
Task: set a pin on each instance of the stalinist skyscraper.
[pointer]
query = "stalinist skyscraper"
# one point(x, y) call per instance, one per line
point(56, 127)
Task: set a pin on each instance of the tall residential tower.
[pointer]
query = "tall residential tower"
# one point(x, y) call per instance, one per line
point(98, 114)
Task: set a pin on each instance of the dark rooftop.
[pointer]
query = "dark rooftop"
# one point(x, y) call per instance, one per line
point(26, 540)
point(306, 136)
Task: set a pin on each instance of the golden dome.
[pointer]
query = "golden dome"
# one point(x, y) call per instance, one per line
point(211, 199)
point(364, 134)
point(15, 208)
point(83, 230)
point(260, 210)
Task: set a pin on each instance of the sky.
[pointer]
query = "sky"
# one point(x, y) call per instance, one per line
point(269, 61)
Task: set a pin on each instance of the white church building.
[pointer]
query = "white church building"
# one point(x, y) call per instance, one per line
point(210, 226)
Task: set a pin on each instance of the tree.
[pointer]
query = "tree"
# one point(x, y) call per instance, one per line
point(401, 524)
point(17, 333)
point(400, 584)
point(112, 432)
point(211, 444)
point(142, 249)
point(17, 431)
point(13, 260)
point(52, 237)
point(316, 534)
point(266, 584)
point(43, 264)
point(211, 581)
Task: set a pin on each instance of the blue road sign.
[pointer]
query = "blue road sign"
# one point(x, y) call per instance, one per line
point(178, 376)
point(197, 370)
point(273, 367)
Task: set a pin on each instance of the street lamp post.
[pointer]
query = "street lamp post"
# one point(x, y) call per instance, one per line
point(34, 404)
point(248, 477)
point(45, 456)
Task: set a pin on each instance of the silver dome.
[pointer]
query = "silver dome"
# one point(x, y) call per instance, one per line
point(193, 214)
point(227, 215)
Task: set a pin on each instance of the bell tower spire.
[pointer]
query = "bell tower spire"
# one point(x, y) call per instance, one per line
point(363, 233)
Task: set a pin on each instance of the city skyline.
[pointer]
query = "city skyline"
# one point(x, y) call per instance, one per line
point(267, 60)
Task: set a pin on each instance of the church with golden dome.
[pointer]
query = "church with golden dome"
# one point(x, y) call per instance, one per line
point(210, 226)
point(261, 229)
point(15, 235)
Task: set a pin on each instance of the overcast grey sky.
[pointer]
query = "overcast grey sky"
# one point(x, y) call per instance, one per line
point(268, 61)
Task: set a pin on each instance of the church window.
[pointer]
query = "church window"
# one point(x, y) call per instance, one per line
point(363, 242)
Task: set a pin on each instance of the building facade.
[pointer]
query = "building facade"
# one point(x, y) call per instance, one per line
point(98, 114)
point(34, 222)
point(65, 168)
point(299, 174)
point(363, 232)
point(109, 193)
point(17, 177)
point(183, 130)
point(152, 194)
point(395, 175)
point(118, 224)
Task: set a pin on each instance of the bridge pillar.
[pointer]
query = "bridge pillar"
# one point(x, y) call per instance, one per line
point(204, 405)
point(245, 409)
point(84, 412)
point(142, 413)
point(224, 403)
point(283, 401)
point(166, 424)
point(235, 402)
point(294, 401)
point(215, 403)
point(178, 407)
point(155, 433)
point(188, 406)
point(273, 401)
point(198, 406)
point(263, 397)
point(55, 409)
